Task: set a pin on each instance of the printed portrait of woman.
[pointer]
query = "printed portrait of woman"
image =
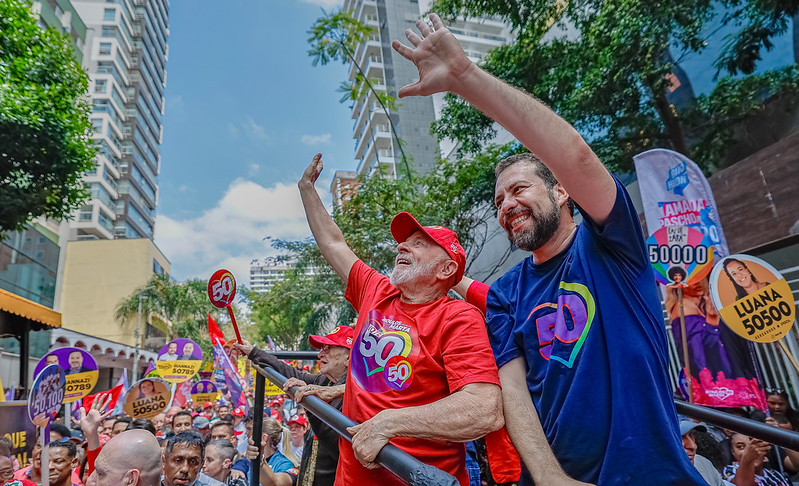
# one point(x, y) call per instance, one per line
point(146, 389)
point(743, 280)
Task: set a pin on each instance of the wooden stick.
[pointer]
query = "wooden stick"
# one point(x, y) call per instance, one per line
point(687, 362)
point(233, 320)
point(788, 354)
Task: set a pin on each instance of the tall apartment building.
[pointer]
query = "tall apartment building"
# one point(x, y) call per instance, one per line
point(265, 273)
point(125, 53)
point(375, 144)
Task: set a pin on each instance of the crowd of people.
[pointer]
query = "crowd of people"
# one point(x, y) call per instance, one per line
point(554, 375)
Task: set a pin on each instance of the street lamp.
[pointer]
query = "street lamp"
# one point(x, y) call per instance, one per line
point(135, 370)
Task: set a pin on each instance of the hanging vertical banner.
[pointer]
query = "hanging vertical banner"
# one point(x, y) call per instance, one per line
point(674, 192)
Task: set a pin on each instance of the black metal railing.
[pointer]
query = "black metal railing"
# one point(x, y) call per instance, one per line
point(406, 467)
point(416, 473)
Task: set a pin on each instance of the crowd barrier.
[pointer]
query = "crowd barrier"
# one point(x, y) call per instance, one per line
point(416, 473)
point(401, 464)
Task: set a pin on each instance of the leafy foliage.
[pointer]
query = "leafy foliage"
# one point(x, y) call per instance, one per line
point(609, 65)
point(183, 306)
point(45, 144)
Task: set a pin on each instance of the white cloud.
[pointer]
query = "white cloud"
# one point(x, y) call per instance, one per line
point(326, 4)
point(253, 169)
point(232, 130)
point(185, 188)
point(232, 233)
point(315, 139)
point(254, 130)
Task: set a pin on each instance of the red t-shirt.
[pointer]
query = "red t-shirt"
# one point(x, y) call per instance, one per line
point(406, 355)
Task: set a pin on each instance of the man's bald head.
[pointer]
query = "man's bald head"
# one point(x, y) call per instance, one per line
point(132, 458)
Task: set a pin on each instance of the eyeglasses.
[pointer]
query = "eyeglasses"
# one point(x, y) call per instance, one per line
point(775, 391)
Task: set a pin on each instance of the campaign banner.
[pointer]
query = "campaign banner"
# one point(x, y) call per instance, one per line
point(79, 367)
point(754, 299)
point(46, 395)
point(204, 391)
point(16, 426)
point(675, 192)
point(147, 398)
point(679, 255)
point(234, 385)
point(179, 360)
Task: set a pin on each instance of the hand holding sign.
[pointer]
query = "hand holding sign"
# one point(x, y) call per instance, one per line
point(221, 291)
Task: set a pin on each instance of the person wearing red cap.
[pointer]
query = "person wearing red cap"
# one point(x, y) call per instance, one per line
point(421, 370)
point(578, 324)
point(321, 449)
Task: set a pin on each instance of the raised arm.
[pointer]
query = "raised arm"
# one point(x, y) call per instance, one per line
point(328, 236)
point(468, 414)
point(443, 66)
point(524, 428)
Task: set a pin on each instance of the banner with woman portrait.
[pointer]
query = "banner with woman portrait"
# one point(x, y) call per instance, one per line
point(675, 192)
point(754, 299)
point(147, 398)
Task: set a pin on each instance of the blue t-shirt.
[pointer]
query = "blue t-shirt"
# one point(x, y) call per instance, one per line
point(588, 322)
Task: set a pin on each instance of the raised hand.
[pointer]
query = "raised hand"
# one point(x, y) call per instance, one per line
point(244, 347)
point(90, 421)
point(312, 171)
point(437, 55)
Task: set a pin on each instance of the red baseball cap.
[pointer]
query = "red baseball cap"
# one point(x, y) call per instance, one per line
point(340, 336)
point(237, 412)
point(208, 404)
point(404, 225)
point(297, 419)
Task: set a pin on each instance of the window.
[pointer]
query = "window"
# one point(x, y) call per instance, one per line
point(105, 48)
point(100, 85)
point(110, 14)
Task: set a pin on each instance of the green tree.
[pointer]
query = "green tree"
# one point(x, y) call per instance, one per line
point(183, 306)
point(45, 144)
point(610, 71)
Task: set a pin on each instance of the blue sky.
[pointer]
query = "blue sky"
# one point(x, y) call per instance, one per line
point(245, 112)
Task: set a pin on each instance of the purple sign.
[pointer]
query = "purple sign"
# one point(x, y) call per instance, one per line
point(180, 349)
point(72, 360)
point(204, 386)
point(46, 395)
point(79, 366)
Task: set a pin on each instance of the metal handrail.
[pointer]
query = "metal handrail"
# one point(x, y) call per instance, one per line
point(775, 435)
point(406, 467)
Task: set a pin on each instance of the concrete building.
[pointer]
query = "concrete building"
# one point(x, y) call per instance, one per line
point(125, 54)
point(265, 273)
point(61, 15)
point(97, 276)
point(344, 186)
point(376, 143)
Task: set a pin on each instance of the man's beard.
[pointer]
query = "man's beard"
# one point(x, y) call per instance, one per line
point(544, 226)
point(416, 271)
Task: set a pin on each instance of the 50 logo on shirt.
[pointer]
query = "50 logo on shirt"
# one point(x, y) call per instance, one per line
point(383, 355)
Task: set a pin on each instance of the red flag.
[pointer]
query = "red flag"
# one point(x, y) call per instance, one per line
point(214, 331)
point(115, 393)
point(182, 394)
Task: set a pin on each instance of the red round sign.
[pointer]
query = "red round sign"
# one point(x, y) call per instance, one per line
point(222, 288)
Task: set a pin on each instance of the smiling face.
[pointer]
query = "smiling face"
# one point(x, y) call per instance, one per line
point(418, 261)
point(739, 273)
point(75, 360)
point(188, 349)
point(146, 388)
point(172, 349)
point(51, 359)
point(526, 208)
